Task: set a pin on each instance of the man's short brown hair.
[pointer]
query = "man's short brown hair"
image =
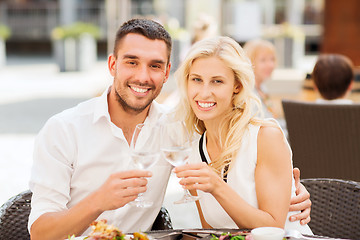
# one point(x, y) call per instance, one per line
point(332, 75)
point(146, 27)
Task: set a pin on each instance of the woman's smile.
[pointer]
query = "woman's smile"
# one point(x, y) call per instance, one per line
point(211, 86)
point(206, 106)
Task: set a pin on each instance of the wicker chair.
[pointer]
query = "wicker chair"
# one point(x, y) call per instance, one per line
point(14, 217)
point(335, 210)
point(162, 221)
point(324, 138)
point(15, 212)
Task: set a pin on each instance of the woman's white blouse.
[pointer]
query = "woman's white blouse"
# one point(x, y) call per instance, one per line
point(241, 178)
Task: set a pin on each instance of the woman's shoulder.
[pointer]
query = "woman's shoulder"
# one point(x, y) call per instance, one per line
point(271, 140)
point(270, 130)
point(265, 125)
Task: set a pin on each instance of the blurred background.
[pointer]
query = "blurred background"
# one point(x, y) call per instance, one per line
point(53, 55)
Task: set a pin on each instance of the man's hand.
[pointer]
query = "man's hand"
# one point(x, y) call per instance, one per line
point(121, 188)
point(301, 202)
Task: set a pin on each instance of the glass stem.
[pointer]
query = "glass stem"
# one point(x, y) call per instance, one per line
point(140, 197)
point(187, 193)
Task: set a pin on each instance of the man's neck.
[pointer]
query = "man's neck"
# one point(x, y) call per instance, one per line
point(125, 119)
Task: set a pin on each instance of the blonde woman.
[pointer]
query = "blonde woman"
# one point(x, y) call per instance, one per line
point(242, 166)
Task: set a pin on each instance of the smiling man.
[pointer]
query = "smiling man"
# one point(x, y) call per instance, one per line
point(82, 157)
point(140, 67)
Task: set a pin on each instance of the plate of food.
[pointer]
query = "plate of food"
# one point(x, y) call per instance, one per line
point(240, 235)
point(100, 230)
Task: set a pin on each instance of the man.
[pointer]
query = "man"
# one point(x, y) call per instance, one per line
point(82, 157)
point(81, 154)
point(333, 77)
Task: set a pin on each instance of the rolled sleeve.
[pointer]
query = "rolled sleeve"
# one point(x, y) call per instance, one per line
point(52, 169)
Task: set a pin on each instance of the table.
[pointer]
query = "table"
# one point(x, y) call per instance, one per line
point(206, 234)
point(191, 234)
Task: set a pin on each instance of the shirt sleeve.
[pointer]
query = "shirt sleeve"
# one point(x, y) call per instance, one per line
point(53, 160)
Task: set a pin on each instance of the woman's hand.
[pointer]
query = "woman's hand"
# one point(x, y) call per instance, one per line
point(301, 202)
point(198, 176)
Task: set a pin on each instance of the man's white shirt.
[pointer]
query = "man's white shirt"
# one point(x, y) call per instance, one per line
point(75, 153)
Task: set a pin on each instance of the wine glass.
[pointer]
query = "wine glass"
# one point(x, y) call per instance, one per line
point(145, 152)
point(176, 149)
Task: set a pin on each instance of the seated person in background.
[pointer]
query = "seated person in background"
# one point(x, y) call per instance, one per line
point(262, 55)
point(242, 164)
point(263, 58)
point(333, 78)
point(204, 27)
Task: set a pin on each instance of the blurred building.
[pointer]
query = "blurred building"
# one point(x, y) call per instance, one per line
point(31, 21)
point(342, 29)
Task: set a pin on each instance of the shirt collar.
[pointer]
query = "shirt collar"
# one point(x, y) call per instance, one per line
point(101, 106)
point(334, 101)
point(157, 111)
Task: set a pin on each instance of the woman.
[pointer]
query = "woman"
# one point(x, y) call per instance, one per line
point(262, 55)
point(246, 181)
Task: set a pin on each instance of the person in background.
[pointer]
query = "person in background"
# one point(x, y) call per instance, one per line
point(333, 78)
point(242, 164)
point(262, 55)
point(203, 27)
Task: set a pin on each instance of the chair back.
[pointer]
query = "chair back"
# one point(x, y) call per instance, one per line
point(162, 221)
point(14, 217)
point(324, 138)
point(335, 209)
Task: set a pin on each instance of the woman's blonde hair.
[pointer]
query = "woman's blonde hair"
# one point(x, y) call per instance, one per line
point(253, 47)
point(235, 122)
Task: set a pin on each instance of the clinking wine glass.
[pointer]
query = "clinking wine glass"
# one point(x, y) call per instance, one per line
point(176, 149)
point(145, 152)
